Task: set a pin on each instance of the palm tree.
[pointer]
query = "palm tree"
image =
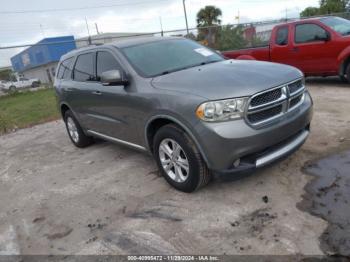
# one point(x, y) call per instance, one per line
point(207, 17)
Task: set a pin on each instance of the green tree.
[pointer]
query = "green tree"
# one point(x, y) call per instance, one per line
point(310, 11)
point(333, 6)
point(6, 74)
point(327, 7)
point(230, 37)
point(208, 16)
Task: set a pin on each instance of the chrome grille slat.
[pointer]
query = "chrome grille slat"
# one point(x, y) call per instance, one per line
point(268, 105)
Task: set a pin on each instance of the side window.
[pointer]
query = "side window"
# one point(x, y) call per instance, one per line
point(65, 71)
point(282, 36)
point(105, 62)
point(60, 71)
point(305, 33)
point(84, 68)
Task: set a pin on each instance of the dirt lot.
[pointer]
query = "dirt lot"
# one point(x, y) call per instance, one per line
point(108, 199)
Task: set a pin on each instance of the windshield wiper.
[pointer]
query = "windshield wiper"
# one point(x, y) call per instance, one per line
point(187, 67)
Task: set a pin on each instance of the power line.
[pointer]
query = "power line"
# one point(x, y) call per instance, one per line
point(78, 8)
point(140, 34)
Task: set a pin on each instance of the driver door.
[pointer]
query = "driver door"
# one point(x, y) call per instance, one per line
point(311, 50)
point(110, 107)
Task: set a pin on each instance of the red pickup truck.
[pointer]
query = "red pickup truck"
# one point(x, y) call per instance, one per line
point(317, 46)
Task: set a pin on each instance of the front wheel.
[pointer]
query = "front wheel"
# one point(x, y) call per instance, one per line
point(346, 78)
point(179, 159)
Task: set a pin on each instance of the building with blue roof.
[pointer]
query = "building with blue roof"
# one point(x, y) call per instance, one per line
point(40, 61)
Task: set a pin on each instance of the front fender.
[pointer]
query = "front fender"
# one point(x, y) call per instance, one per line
point(179, 122)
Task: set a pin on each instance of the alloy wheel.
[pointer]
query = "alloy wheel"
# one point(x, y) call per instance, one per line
point(72, 129)
point(174, 160)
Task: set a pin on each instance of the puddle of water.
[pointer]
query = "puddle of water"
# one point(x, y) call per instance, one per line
point(328, 196)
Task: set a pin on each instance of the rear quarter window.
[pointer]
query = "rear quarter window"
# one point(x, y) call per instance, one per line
point(65, 69)
point(84, 68)
point(282, 36)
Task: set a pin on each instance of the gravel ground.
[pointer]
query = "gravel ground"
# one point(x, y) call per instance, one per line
point(108, 199)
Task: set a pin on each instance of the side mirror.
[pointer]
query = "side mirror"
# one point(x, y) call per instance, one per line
point(113, 77)
point(326, 37)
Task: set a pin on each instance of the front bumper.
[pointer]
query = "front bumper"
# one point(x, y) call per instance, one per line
point(224, 143)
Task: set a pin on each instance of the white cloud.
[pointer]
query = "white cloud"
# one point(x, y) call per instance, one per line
point(31, 27)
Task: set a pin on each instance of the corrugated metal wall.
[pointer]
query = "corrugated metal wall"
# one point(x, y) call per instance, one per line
point(43, 54)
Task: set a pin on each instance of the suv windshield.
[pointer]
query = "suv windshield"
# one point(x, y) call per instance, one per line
point(340, 25)
point(163, 57)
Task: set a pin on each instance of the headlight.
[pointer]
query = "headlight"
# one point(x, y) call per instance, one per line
point(222, 110)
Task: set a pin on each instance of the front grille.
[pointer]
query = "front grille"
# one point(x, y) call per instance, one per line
point(266, 106)
point(295, 101)
point(267, 97)
point(295, 86)
point(264, 115)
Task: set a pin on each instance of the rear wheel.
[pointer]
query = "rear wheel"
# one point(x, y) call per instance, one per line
point(35, 84)
point(75, 132)
point(179, 159)
point(12, 89)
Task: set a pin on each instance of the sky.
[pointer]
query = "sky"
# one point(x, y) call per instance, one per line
point(26, 22)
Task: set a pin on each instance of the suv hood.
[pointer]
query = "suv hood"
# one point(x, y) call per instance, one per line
point(228, 79)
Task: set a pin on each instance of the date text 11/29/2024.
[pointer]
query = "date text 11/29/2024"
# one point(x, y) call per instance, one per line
point(173, 258)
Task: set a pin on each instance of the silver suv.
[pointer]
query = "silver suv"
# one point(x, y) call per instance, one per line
point(196, 112)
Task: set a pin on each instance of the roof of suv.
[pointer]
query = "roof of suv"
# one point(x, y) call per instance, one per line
point(121, 44)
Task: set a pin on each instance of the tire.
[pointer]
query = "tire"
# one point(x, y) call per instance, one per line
point(197, 174)
point(12, 89)
point(347, 72)
point(35, 84)
point(344, 79)
point(75, 132)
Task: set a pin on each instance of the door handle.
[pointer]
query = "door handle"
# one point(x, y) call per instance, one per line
point(68, 89)
point(295, 49)
point(97, 93)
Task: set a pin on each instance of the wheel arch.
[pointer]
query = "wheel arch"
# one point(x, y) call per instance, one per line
point(156, 122)
point(245, 57)
point(343, 60)
point(64, 108)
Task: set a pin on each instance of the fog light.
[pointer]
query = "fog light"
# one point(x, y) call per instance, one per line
point(237, 162)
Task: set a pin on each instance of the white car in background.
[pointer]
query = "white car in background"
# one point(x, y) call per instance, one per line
point(19, 83)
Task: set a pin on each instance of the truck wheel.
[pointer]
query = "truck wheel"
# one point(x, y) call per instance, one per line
point(12, 89)
point(75, 132)
point(347, 71)
point(35, 84)
point(179, 160)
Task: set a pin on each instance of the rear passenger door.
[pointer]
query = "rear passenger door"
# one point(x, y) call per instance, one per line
point(281, 48)
point(111, 107)
point(84, 81)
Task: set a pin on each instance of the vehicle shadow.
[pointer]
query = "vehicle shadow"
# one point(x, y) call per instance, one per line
point(333, 81)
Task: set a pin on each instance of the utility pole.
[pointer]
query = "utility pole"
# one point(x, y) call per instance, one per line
point(188, 32)
point(87, 27)
point(161, 26)
point(98, 32)
point(42, 30)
